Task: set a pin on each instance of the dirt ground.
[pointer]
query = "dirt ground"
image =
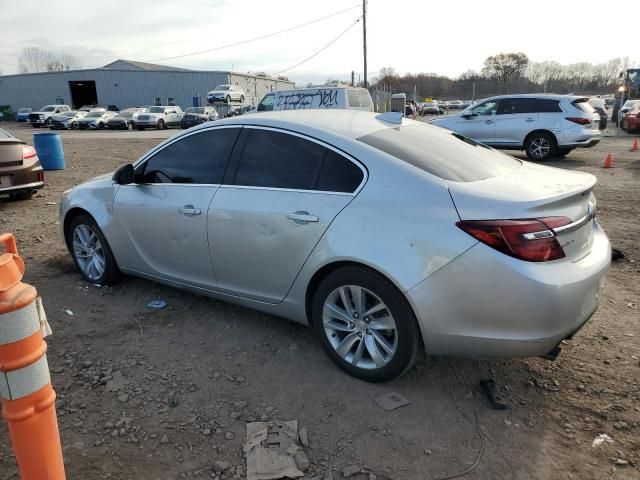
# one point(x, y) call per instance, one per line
point(165, 394)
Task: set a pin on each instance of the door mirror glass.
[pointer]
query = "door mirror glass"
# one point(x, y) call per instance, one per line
point(468, 115)
point(124, 175)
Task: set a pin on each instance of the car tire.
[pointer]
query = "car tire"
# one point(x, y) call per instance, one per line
point(401, 340)
point(25, 195)
point(129, 126)
point(47, 122)
point(540, 146)
point(228, 99)
point(100, 126)
point(241, 98)
point(563, 152)
point(78, 242)
point(161, 125)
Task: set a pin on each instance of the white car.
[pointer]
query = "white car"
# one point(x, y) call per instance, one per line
point(544, 126)
point(43, 116)
point(66, 120)
point(158, 117)
point(226, 93)
point(95, 120)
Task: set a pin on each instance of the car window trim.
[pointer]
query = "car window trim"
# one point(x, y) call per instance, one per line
point(140, 162)
point(232, 166)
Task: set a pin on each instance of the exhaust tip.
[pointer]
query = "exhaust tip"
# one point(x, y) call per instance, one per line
point(553, 354)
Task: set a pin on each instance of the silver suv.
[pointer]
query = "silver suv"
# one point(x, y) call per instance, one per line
point(545, 126)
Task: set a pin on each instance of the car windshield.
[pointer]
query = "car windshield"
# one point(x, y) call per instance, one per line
point(48, 109)
point(222, 87)
point(156, 110)
point(68, 114)
point(445, 154)
point(125, 114)
point(195, 110)
point(94, 115)
point(24, 110)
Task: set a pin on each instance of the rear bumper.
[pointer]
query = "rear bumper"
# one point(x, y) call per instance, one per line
point(486, 304)
point(23, 187)
point(578, 137)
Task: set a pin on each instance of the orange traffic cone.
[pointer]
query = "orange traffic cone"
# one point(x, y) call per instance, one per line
point(28, 399)
point(634, 147)
point(608, 161)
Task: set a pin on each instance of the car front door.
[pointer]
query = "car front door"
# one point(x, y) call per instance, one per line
point(281, 192)
point(515, 119)
point(162, 218)
point(478, 122)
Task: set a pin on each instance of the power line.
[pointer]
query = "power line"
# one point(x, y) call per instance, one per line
point(322, 49)
point(261, 37)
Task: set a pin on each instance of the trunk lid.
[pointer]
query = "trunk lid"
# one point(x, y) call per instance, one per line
point(534, 191)
point(10, 152)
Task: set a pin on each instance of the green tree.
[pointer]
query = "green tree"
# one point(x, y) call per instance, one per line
point(505, 67)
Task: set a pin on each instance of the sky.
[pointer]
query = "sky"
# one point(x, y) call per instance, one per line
point(444, 37)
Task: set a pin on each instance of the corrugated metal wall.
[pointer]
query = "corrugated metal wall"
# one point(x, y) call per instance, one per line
point(126, 88)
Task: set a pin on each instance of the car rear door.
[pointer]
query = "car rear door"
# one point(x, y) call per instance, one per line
point(162, 218)
point(480, 123)
point(281, 193)
point(515, 119)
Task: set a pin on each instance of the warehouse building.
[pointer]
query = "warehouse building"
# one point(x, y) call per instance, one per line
point(127, 83)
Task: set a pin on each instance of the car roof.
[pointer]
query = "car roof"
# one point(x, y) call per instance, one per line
point(347, 123)
point(549, 96)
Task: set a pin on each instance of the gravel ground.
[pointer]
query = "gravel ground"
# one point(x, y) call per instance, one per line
point(165, 394)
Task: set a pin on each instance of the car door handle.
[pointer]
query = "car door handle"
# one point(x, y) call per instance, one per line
point(189, 211)
point(489, 122)
point(302, 217)
point(531, 119)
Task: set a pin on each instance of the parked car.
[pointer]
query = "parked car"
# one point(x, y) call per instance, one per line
point(544, 126)
point(432, 108)
point(43, 117)
point(122, 121)
point(159, 117)
point(466, 104)
point(66, 120)
point(197, 115)
point(98, 108)
point(139, 111)
point(455, 105)
point(631, 120)
point(325, 97)
point(381, 233)
point(600, 107)
point(95, 120)
point(226, 93)
point(627, 107)
point(23, 114)
point(20, 170)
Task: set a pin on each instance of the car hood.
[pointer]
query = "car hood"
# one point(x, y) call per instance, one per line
point(151, 114)
point(89, 120)
point(61, 118)
point(446, 122)
point(217, 92)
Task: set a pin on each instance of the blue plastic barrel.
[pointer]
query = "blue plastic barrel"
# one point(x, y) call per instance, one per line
point(49, 148)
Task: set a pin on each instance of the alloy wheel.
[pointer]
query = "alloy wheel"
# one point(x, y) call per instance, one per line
point(88, 252)
point(540, 147)
point(360, 327)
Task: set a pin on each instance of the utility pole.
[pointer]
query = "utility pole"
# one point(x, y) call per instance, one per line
point(353, 78)
point(364, 39)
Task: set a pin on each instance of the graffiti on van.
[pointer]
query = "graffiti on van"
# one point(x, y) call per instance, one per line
point(321, 98)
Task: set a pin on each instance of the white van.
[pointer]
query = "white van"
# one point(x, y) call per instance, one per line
point(350, 98)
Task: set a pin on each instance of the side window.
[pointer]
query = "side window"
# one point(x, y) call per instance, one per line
point(510, 106)
point(544, 105)
point(486, 108)
point(266, 105)
point(278, 160)
point(338, 174)
point(353, 98)
point(199, 158)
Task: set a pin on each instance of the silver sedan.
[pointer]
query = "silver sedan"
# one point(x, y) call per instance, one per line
point(385, 235)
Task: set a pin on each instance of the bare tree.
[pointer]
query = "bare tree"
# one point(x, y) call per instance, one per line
point(32, 60)
point(505, 67)
point(68, 61)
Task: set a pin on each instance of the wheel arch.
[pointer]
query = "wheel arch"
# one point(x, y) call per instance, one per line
point(68, 218)
point(540, 130)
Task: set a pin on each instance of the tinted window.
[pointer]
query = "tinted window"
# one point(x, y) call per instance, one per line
point(442, 153)
point(199, 158)
point(278, 160)
point(510, 106)
point(584, 105)
point(338, 174)
point(544, 105)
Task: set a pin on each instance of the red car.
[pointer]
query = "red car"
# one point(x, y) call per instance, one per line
point(631, 119)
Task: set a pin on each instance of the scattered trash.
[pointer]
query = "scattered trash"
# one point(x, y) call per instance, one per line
point(158, 303)
point(600, 439)
point(616, 254)
point(490, 390)
point(49, 203)
point(391, 401)
point(69, 312)
point(272, 450)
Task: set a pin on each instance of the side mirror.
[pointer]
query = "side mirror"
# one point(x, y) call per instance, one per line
point(124, 175)
point(468, 115)
point(261, 108)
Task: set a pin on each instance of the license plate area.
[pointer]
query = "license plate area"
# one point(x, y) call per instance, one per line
point(6, 181)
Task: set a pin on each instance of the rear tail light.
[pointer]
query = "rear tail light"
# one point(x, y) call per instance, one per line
point(579, 120)
point(532, 240)
point(41, 176)
point(28, 152)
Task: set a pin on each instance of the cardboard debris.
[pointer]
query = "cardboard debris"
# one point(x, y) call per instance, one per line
point(391, 401)
point(271, 449)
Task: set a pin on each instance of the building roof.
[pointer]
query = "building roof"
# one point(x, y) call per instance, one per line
point(121, 64)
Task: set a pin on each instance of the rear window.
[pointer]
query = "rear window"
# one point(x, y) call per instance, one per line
point(583, 105)
point(445, 154)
